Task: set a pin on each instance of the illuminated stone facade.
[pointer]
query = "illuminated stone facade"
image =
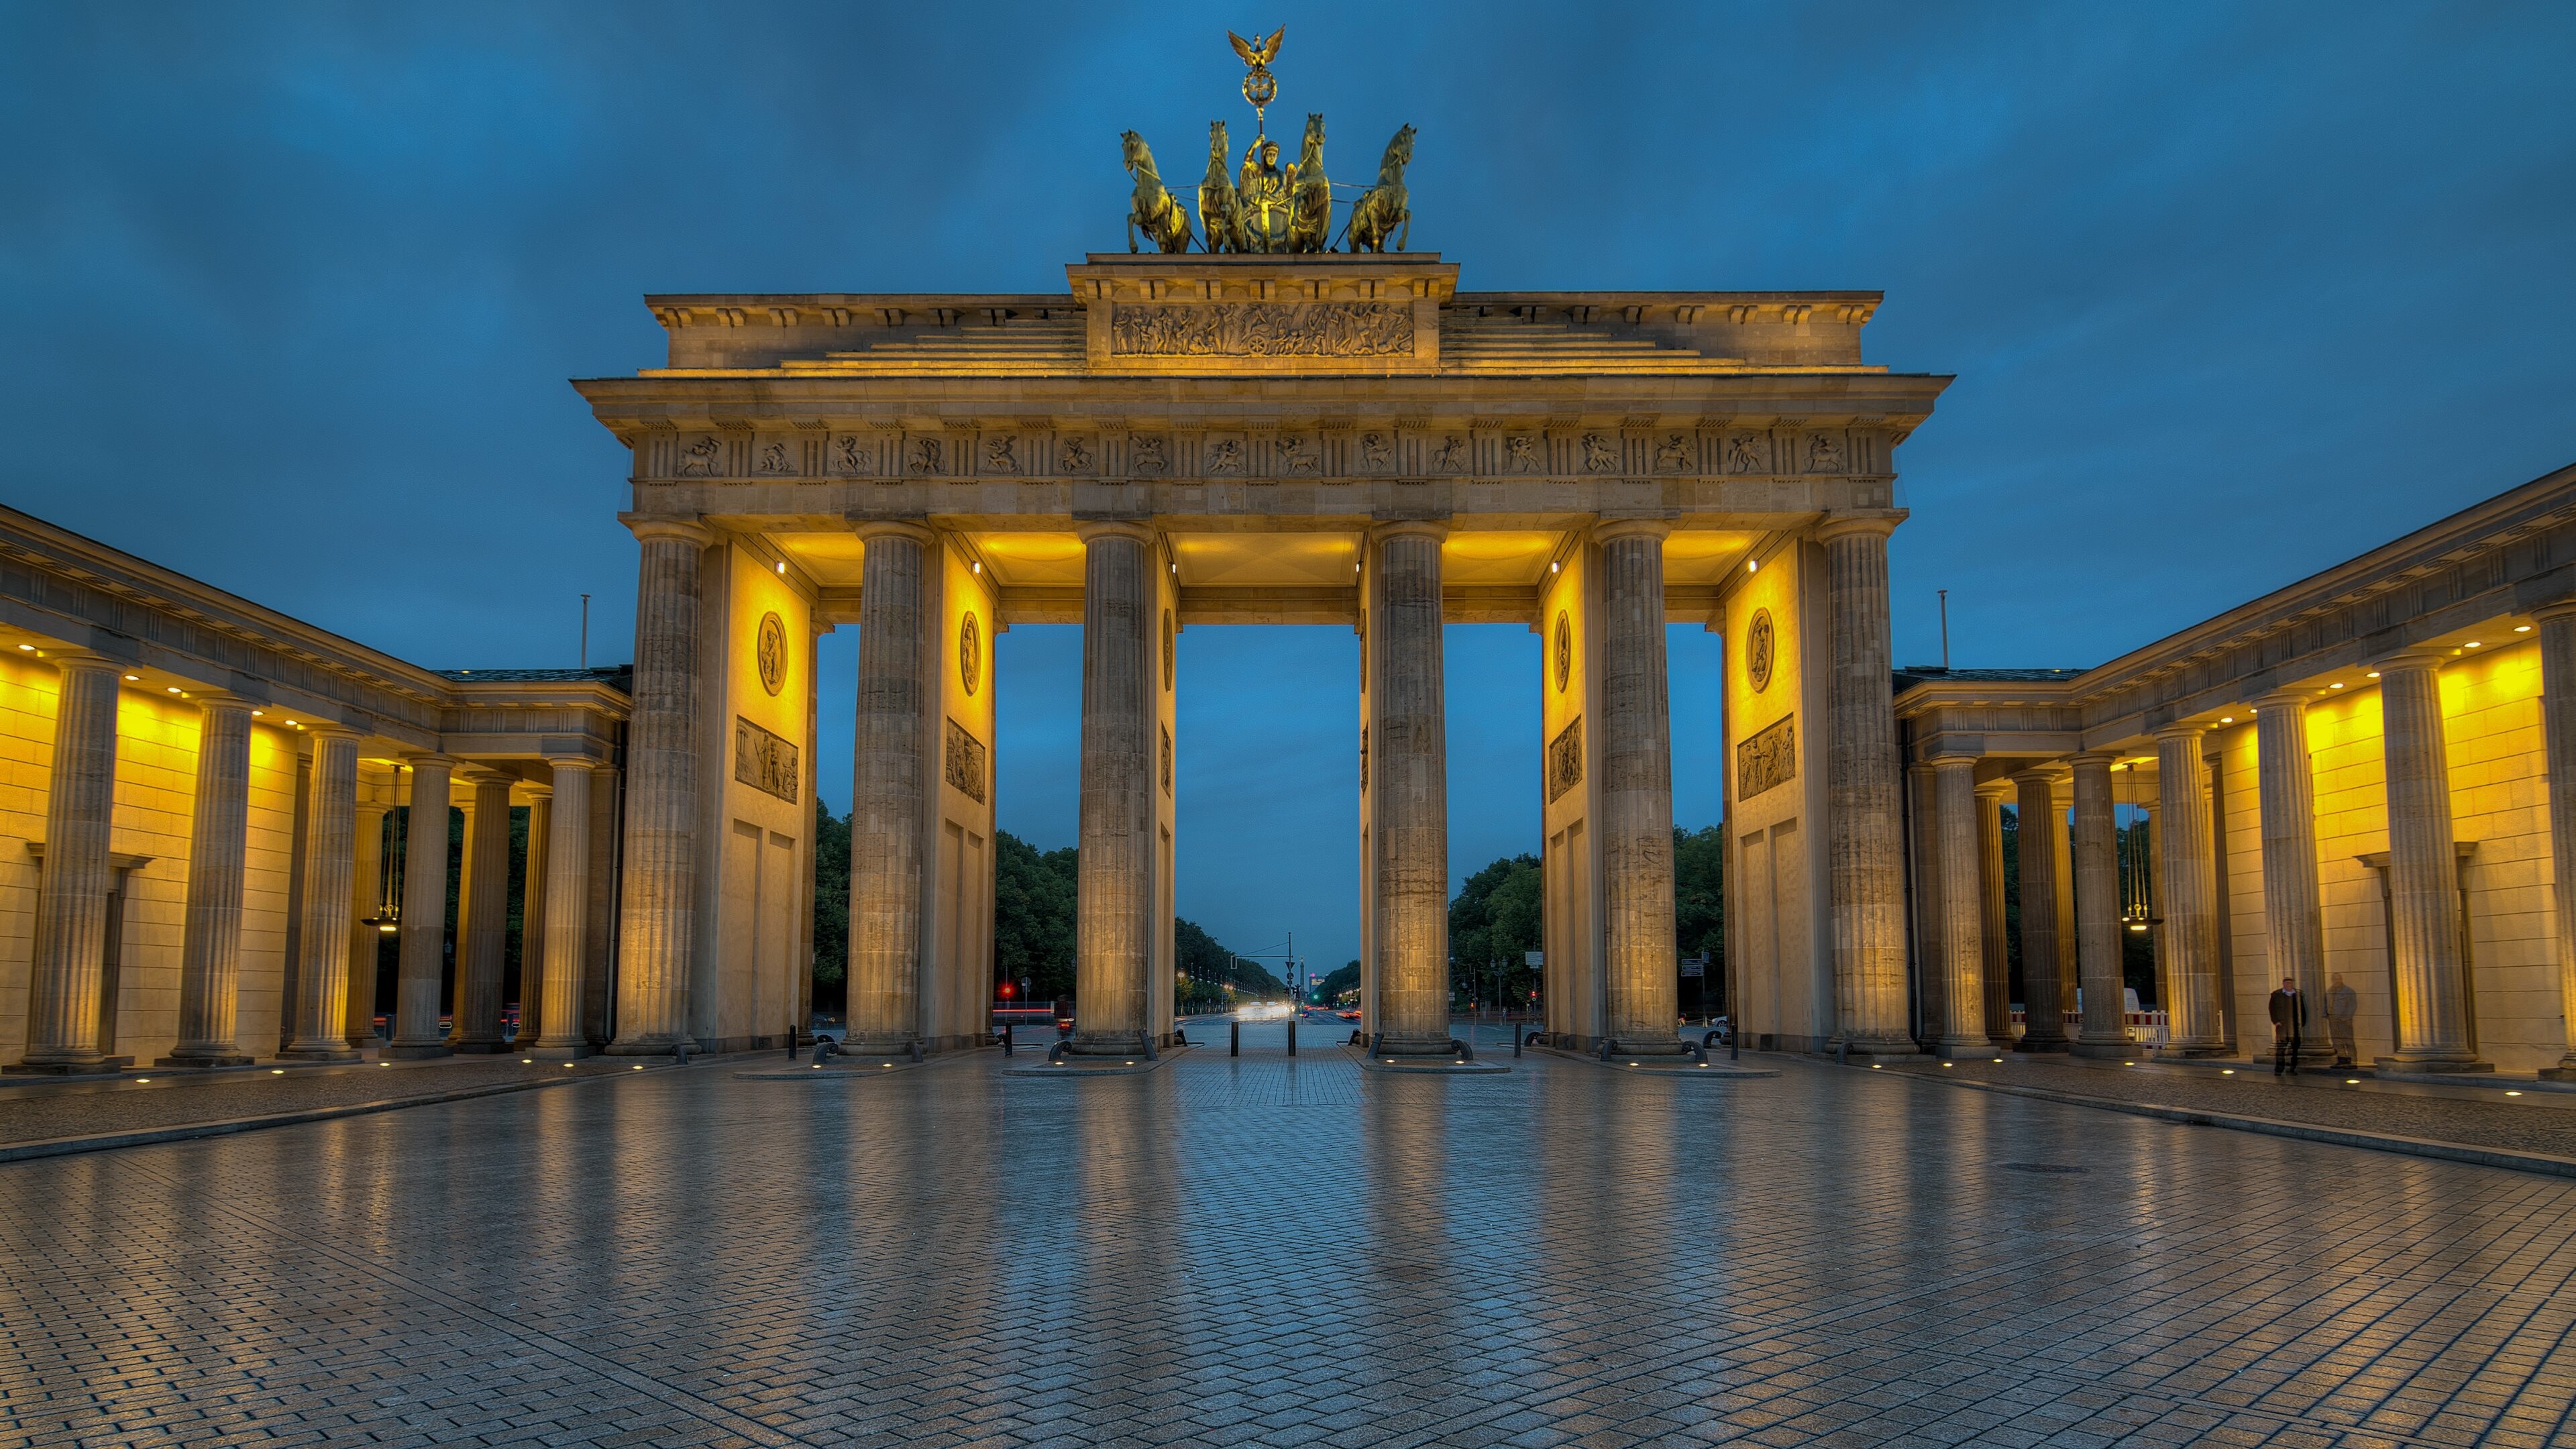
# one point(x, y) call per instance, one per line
point(1297, 439)
point(194, 804)
point(2367, 800)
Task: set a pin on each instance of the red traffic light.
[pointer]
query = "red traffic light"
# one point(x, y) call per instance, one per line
point(1006, 991)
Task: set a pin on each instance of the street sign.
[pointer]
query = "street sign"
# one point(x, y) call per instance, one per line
point(1534, 958)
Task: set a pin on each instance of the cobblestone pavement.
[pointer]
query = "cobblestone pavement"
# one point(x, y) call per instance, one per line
point(1238, 1250)
point(36, 1110)
point(2538, 1121)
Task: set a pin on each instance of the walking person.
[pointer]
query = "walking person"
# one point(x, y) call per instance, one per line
point(2289, 1023)
point(2342, 1003)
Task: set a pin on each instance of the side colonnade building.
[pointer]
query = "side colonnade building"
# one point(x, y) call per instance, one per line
point(196, 842)
point(2360, 782)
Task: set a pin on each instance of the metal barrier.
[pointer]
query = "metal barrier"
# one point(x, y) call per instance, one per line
point(825, 1049)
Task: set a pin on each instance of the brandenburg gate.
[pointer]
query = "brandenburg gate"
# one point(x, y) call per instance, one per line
point(1253, 436)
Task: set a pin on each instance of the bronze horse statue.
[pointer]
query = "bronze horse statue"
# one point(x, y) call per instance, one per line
point(1152, 207)
point(1220, 204)
point(1382, 210)
point(1310, 224)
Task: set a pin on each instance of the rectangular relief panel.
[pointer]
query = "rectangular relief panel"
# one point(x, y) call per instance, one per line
point(1565, 760)
point(764, 761)
point(962, 762)
point(1769, 758)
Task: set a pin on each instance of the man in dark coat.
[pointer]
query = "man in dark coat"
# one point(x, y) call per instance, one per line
point(2289, 1023)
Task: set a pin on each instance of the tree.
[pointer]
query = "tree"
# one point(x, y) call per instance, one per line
point(1345, 979)
point(1033, 916)
point(831, 904)
point(1493, 924)
point(1699, 905)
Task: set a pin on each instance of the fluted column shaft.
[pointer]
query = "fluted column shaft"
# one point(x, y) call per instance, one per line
point(2294, 933)
point(366, 876)
point(890, 781)
point(71, 901)
point(330, 859)
point(2558, 732)
point(1995, 985)
point(218, 855)
point(421, 971)
point(2184, 881)
point(2061, 806)
point(1115, 895)
point(2423, 868)
point(1963, 908)
point(1866, 840)
point(2095, 845)
point(1635, 794)
point(2044, 1020)
point(533, 959)
point(484, 951)
point(1409, 775)
point(657, 901)
point(1933, 973)
point(567, 912)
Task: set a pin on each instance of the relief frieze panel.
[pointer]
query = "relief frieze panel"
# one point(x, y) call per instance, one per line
point(1262, 329)
point(1769, 758)
point(764, 761)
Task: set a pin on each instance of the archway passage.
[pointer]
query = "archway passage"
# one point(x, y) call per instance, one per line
point(933, 470)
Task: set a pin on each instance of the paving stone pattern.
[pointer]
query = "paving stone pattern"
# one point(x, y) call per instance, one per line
point(2539, 1121)
point(1242, 1251)
point(35, 1112)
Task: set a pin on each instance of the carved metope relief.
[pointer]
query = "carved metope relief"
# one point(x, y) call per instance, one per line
point(962, 763)
point(1565, 759)
point(1263, 329)
point(1769, 758)
point(764, 761)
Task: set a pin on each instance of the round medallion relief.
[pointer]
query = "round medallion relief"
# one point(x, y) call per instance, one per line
point(970, 651)
point(1167, 651)
point(1758, 650)
point(1564, 650)
point(769, 650)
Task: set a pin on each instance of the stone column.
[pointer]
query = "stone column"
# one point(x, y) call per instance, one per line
point(657, 898)
point(366, 883)
point(1866, 841)
point(77, 875)
point(218, 851)
point(567, 914)
point(2186, 885)
point(2095, 844)
point(1634, 797)
point(1409, 775)
point(1995, 985)
point(890, 785)
point(2042, 1013)
point(423, 938)
point(2061, 805)
point(330, 859)
point(2557, 623)
point(533, 960)
point(1112, 952)
point(1931, 951)
point(484, 908)
point(1963, 919)
point(2294, 936)
point(2423, 871)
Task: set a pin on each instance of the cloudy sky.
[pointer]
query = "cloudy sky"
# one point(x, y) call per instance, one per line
point(2232, 292)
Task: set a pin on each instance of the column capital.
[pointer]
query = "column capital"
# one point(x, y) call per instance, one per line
point(2555, 609)
point(1843, 523)
point(562, 763)
point(323, 729)
point(684, 530)
point(2093, 760)
point(2038, 774)
point(211, 700)
point(1954, 763)
point(535, 792)
point(2424, 657)
point(870, 530)
point(1994, 790)
point(83, 661)
point(1618, 528)
point(1408, 528)
point(2285, 699)
point(2180, 730)
point(1113, 528)
point(419, 758)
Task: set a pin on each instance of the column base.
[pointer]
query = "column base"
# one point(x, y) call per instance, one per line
point(2053, 1046)
point(572, 1053)
point(1624, 1048)
point(205, 1059)
point(481, 1048)
point(1964, 1048)
point(416, 1051)
point(1107, 1044)
point(333, 1053)
point(1887, 1047)
point(2428, 1066)
point(2107, 1051)
point(659, 1044)
point(2199, 1051)
point(2563, 1072)
point(94, 1067)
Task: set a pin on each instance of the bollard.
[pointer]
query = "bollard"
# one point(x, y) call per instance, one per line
point(680, 1049)
point(1006, 1038)
point(1234, 1048)
point(1292, 1036)
point(916, 1049)
point(1516, 1041)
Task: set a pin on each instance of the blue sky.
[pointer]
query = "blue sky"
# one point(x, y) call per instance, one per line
point(2232, 292)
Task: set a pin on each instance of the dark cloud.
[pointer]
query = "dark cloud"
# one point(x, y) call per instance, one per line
point(2232, 292)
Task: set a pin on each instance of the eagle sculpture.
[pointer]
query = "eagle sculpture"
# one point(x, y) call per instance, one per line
point(1260, 55)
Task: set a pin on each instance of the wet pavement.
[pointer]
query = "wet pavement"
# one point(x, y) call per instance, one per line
point(1246, 1250)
